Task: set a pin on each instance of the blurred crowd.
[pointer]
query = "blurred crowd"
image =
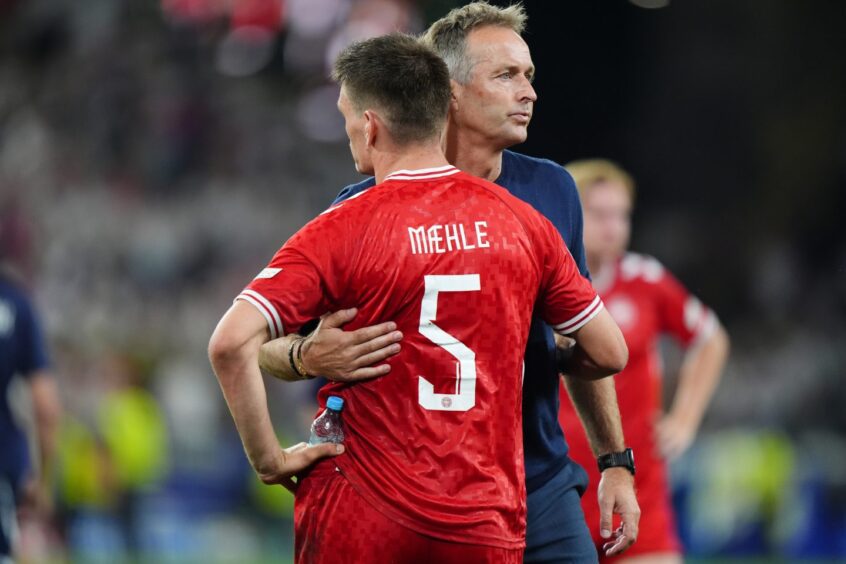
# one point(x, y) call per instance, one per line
point(153, 157)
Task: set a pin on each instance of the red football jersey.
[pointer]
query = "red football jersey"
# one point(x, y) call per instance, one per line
point(458, 263)
point(646, 301)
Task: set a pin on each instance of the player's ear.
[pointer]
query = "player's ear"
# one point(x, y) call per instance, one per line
point(371, 128)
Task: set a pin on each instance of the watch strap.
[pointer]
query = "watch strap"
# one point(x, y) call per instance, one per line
point(623, 458)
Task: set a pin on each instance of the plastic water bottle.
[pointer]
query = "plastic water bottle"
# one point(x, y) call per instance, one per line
point(327, 428)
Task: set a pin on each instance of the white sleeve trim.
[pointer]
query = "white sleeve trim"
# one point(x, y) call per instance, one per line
point(707, 327)
point(582, 318)
point(274, 322)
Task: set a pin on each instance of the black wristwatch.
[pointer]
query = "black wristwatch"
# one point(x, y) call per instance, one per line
point(613, 459)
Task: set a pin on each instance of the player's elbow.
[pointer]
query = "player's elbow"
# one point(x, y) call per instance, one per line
point(223, 348)
point(618, 356)
point(611, 359)
point(614, 354)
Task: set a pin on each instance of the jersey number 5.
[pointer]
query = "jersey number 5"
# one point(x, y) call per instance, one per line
point(464, 397)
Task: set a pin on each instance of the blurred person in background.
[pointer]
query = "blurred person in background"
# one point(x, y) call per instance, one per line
point(647, 302)
point(25, 477)
point(454, 487)
point(132, 429)
point(491, 71)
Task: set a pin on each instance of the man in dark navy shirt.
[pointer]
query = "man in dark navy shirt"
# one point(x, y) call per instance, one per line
point(23, 354)
point(491, 70)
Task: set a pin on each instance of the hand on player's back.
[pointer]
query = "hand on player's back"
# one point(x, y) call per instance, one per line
point(348, 356)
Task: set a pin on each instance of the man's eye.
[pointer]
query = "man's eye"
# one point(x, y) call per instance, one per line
point(505, 75)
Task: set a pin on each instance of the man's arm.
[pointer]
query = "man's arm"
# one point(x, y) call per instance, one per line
point(600, 351)
point(698, 378)
point(333, 353)
point(47, 410)
point(233, 351)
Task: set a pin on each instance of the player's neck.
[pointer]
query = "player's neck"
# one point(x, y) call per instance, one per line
point(473, 156)
point(408, 158)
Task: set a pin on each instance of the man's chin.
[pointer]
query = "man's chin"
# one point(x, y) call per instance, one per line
point(515, 137)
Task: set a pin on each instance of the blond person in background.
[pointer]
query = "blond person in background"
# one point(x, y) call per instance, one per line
point(647, 302)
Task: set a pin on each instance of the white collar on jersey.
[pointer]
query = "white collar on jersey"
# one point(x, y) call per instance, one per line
point(422, 173)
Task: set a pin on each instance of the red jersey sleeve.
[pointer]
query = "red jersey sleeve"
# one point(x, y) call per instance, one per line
point(304, 278)
point(567, 300)
point(680, 313)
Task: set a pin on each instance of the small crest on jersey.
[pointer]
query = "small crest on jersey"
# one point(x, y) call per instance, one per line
point(269, 273)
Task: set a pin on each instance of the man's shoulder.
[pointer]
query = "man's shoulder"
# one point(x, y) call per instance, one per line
point(535, 170)
point(536, 164)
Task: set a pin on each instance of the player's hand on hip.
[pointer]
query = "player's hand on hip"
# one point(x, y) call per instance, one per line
point(675, 435)
point(293, 460)
point(616, 496)
point(347, 356)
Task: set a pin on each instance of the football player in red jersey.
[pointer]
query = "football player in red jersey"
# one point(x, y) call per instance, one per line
point(491, 69)
point(647, 302)
point(433, 464)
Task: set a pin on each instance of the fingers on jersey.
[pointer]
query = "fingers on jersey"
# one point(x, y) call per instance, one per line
point(339, 318)
point(377, 349)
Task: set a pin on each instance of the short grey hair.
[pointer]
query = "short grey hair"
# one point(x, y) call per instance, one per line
point(448, 35)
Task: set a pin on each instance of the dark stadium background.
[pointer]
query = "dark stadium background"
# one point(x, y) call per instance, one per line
point(154, 155)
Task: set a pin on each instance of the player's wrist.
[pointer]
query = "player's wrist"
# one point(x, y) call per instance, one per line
point(306, 361)
point(268, 464)
point(622, 460)
point(295, 359)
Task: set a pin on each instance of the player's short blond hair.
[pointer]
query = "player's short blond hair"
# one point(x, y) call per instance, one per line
point(448, 35)
point(589, 172)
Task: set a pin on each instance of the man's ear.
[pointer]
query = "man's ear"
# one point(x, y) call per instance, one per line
point(371, 128)
point(455, 93)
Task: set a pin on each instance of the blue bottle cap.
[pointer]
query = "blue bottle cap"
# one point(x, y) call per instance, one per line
point(336, 403)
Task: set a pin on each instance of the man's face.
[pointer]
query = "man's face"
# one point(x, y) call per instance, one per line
point(355, 125)
point(608, 211)
point(497, 100)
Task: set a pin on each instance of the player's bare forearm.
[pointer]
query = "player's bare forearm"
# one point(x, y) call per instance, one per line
point(233, 351)
point(699, 375)
point(274, 358)
point(336, 354)
point(596, 403)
